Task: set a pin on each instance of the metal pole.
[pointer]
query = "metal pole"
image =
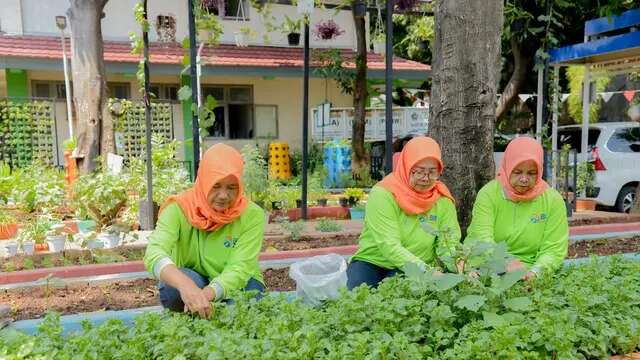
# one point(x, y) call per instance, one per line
point(199, 73)
point(195, 128)
point(305, 120)
point(388, 78)
point(67, 87)
point(554, 125)
point(539, 106)
point(147, 114)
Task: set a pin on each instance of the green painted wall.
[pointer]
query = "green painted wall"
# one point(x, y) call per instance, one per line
point(186, 122)
point(17, 83)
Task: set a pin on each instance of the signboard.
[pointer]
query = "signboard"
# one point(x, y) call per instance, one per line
point(336, 123)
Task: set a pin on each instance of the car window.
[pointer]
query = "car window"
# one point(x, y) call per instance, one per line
point(625, 140)
point(573, 137)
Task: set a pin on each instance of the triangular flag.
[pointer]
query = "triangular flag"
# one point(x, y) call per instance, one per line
point(629, 94)
point(524, 97)
point(606, 96)
point(565, 97)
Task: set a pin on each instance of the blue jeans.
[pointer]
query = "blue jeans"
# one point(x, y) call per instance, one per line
point(170, 296)
point(362, 272)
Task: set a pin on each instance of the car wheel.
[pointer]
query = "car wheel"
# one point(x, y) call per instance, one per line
point(625, 199)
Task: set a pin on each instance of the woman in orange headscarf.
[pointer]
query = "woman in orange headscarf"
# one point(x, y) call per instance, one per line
point(208, 238)
point(410, 217)
point(519, 208)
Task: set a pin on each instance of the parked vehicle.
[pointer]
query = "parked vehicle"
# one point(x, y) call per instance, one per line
point(614, 150)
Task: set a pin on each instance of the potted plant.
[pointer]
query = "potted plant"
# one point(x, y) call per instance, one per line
point(11, 248)
point(327, 30)
point(584, 183)
point(379, 43)
point(208, 25)
point(25, 241)
point(56, 237)
point(89, 240)
point(292, 29)
point(354, 195)
point(166, 28)
point(243, 36)
point(111, 236)
point(8, 226)
point(33, 235)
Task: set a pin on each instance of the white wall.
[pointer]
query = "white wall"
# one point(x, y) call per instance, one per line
point(11, 17)
point(38, 18)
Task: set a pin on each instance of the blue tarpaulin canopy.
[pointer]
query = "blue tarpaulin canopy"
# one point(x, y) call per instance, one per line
point(611, 45)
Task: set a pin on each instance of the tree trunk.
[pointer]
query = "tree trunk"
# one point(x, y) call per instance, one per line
point(360, 158)
point(95, 132)
point(521, 60)
point(466, 70)
point(635, 209)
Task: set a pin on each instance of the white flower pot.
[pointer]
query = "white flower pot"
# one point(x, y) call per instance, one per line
point(241, 39)
point(110, 240)
point(28, 247)
point(95, 244)
point(379, 47)
point(12, 249)
point(203, 35)
point(56, 243)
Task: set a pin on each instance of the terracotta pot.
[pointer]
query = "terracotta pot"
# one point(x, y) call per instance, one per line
point(585, 205)
point(41, 247)
point(8, 231)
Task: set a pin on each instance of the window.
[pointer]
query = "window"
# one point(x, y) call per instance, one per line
point(625, 140)
point(573, 137)
point(119, 90)
point(164, 91)
point(235, 112)
point(49, 89)
point(231, 8)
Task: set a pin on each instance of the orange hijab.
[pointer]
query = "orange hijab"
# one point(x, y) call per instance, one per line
point(217, 163)
point(519, 150)
point(409, 200)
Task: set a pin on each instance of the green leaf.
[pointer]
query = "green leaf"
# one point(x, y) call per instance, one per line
point(493, 320)
point(184, 94)
point(471, 302)
point(506, 281)
point(535, 30)
point(413, 271)
point(447, 281)
point(518, 304)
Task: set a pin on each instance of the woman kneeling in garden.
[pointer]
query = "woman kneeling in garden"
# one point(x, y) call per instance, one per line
point(520, 209)
point(208, 238)
point(404, 213)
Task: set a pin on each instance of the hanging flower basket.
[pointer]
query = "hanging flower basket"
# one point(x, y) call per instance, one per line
point(241, 39)
point(403, 6)
point(166, 28)
point(327, 30)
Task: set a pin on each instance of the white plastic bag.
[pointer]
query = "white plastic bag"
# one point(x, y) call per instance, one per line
point(319, 278)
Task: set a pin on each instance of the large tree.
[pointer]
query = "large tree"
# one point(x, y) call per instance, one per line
point(360, 157)
point(94, 125)
point(466, 69)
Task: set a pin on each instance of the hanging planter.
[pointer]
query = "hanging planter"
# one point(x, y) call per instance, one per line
point(294, 39)
point(292, 29)
point(379, 44)
point(327, 30)
point(166, 28)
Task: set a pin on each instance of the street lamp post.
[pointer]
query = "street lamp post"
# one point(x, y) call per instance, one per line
point(305, 8)
point(61, 23)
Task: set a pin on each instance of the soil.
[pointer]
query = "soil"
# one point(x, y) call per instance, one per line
point(70, 257)
point(34, 302)
point(604, 247)
point(328, 240)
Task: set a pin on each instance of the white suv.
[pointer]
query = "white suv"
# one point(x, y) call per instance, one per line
point(615, 152)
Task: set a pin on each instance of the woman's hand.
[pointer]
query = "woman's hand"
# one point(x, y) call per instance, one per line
point(515, 265)
point(196, 300)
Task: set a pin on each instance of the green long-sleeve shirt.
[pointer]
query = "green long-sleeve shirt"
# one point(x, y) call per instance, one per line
point(391, 238)
point(227, 256)
point(536, 231)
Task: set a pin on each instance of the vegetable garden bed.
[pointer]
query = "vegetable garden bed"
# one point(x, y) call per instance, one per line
point(583, 312)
